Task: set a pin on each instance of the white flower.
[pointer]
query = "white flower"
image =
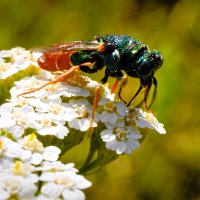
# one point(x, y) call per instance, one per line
point(61, 180)
point(71, 91)
point(18, 168)
point(81, 115)
point(6, 70)
point(45, 125)
point(50, 91)
point(15, 185)
point(18, 59)
point(148, 120)
point(27, 84)
point(121, 139)
point(38, 152)
point(9, 148)
point(17, 180)
point(112, 111)
point(66, 184)
point(15, 120)
point(104, 90)
point(56, 166)
point(5, 163)
point(55, 108)
point(28, 149)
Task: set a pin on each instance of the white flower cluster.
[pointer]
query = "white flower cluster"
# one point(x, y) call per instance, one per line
point(26, 165)
point(56, 110)
point(122, 126)
point(14, 60)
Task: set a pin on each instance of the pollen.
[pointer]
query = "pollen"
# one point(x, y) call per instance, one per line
point(1, 147)
point(46, 122)
point(17, 170)
point(121, 134)
point(52, 87)
point(148, 117)
point(1, 144)
point(55, 108)
point(64, 181)
point(82, 111)
point(31, 137)
point(32, 143)
point(4, 68)
point(110, 106)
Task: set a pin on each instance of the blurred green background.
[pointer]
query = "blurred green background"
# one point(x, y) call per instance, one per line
point(166, 167)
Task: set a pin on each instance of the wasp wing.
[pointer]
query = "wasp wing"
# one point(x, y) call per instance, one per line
point(81, 45)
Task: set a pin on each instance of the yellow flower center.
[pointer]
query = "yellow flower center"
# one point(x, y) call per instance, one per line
point(81, 111)
point(20, 168)
point(110, 106)
point(32, 143)
point(4, 67)
point(55, 108)
point(149, 117)
point(46, 122)
point(52, 87)
point(64, 181)
point(1, 147)
point(120, 133)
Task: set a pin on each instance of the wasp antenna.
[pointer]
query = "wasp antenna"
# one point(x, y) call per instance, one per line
point(154, 91)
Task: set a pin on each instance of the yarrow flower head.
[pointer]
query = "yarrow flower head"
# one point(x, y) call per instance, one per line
point(147, 120)
point(121, 139)
point(112, 111)
point(17, 180)
point(48, 114)
point(65, 184)
point(14, 60)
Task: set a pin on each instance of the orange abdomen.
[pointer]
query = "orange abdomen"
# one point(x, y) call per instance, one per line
point(55, 61)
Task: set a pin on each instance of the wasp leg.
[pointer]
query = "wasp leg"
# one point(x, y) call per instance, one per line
point(154, 92)
point(114, 87)
point(105, 78)
point(59, 78)
point(138, 91)
point(147, 89)
point(97, 66)
point(95, 104)
point(87, 69)
point(122, 85)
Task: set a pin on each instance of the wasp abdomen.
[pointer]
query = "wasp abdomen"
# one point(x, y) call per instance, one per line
point(55, 61)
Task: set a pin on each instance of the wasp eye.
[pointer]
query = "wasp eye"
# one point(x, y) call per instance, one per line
point(157, 59)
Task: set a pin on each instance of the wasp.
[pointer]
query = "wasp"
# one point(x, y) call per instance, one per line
point(120, 55)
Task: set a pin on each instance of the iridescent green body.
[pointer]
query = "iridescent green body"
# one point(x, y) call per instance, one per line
point(124, 54)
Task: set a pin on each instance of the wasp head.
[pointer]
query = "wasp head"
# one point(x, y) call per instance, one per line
point(149, 63)
point(156, 59)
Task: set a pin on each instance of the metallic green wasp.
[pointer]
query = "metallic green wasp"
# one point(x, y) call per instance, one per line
point(118, 54)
